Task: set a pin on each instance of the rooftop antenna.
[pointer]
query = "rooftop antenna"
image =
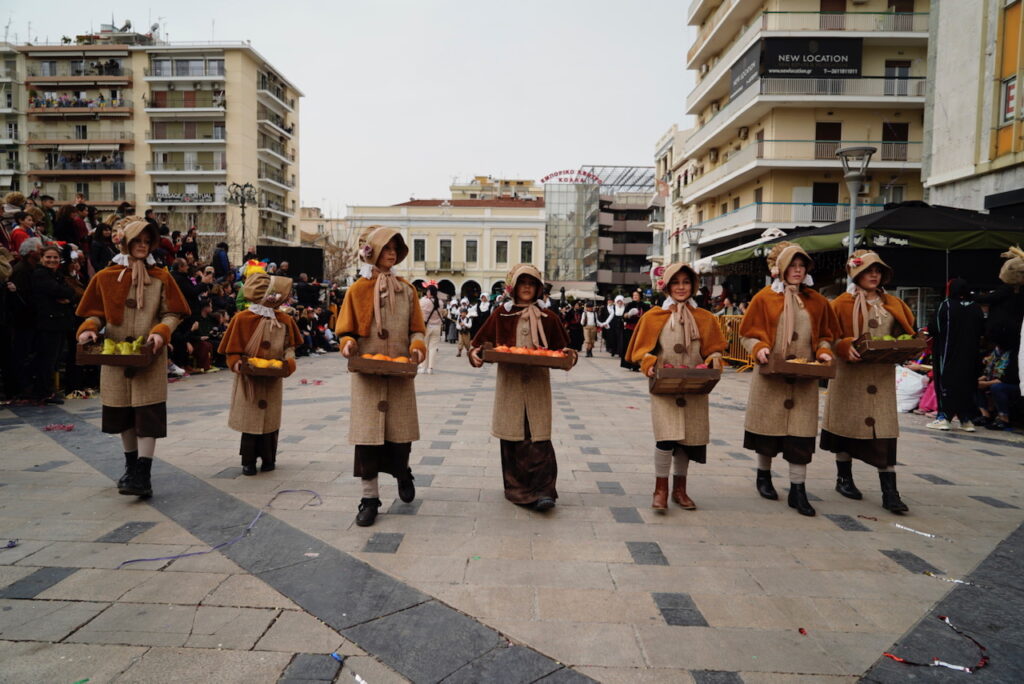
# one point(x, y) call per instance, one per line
point(7, 29)
point(213, 25)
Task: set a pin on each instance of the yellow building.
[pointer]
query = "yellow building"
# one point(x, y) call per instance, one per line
point(467, 245)
point(487, 187)
point(12, 119)
point(314, 228)
point(120, 117)
point(783, 84)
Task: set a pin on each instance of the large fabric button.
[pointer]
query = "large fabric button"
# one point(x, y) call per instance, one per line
point(873, 323)
point(383, 334)
point(869, 421)
point(265, 344)
point(796, 336)
point(382, 406)
point(131, 304)
point(129, 372)
point(262, 403)
point(680, 401)
point(789, 403)
point(679, 348)
point(872, 389)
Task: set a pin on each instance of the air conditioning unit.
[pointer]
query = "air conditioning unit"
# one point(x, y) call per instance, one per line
point(704, 69)
point(713, 155)
point(864, 189)
point(715, 107)
point(171, 86)
point(197, 86)
point(744, 133)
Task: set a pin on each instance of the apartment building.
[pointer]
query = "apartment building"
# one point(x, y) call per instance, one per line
point(467, 245)
point(782, 85)
point(487, 187)
point(12, 119)
point(316, 227)
point(669, 167)
point(120, 117)
point(974, 151)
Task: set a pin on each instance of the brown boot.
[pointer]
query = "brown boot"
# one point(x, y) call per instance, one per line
point(660, 502)
point(679, 493)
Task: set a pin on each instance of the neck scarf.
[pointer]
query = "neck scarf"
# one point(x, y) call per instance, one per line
point(789, 308)
point(860, 311)
point(268, 321)
point(386, 290)
point(140, 276)
point(533, 314)
point(682, 313)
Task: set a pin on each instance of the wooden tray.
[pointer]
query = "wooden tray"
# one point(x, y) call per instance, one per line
point(562, 362)
point(684, 380)
point(889, 351)
point(90, 355)
point(807, 371)
point(245, 369)
point(358, 364)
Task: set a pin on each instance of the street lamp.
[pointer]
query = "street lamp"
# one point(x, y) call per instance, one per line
point(693, 234)
point(855, 166)
point(242, 195)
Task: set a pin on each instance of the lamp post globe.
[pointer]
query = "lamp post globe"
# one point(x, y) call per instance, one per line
point(855, 160)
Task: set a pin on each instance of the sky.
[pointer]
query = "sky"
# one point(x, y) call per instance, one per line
point(402, 96)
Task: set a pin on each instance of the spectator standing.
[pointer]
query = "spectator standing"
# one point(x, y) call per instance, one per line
point(956, 329)
point(102, 249)
point(190, 244)
point(21, 315)
point(221, 263)
point(65, 228)
point(24, 229)
point(634, 309)
point(47, 226)
point(52, 300)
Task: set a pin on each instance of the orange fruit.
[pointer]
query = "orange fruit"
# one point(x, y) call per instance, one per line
point(502, 348)
point(380, 357)
point(367, 356)
point(401, 359)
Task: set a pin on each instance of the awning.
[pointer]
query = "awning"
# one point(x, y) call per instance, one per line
point(703, 265)
point(87, 148)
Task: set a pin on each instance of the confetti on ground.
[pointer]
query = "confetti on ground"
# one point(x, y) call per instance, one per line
point(802, 631)
point(923, 534)
point(11, 543)
point(947, 579)
point(935, 662)
point(337, 656)
point(58, 427)
point(867, 517)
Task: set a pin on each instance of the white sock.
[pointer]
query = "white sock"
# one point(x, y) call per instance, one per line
point(764, 462)
point(662, 462)
point(129, 441)
point(680, 464)
point(147, 447)
point(797, 473)
point(370, 489)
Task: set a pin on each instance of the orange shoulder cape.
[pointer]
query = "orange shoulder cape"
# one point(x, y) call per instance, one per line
point(842, 306)
point(356, 315)
point(761, 320)
point(106, 296)
point(645, 337)
point(243, 326)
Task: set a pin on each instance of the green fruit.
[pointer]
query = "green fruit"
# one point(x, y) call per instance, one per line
point(888, 338)
point(905, 337)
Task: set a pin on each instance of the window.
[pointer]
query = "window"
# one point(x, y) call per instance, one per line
point(48, 68)
point(215, 67)
point(161, 67)
point(81, 132)
point(735, 203)
point(419, 249)
point(1009, 100)
point(446, 254)
point(501, 252)
point(12, 130)
point(471, 251)
point(82, 189)
point(526, 252)
point(118, 190)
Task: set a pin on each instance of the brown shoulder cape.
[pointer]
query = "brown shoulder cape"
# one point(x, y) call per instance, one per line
point(500, 328)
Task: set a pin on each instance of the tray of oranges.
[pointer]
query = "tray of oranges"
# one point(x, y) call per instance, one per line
point(525, 356)
point(267, 368)
point(382, 364)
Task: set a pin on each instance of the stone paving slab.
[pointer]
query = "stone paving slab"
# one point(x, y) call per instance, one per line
point(573, 587)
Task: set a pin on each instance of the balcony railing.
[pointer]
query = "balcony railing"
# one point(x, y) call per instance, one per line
point(187, 166)
point(277, 92)
point(183, 71)
point(884, 22)
point(11, 165)
point(271, 175)
point(185, 198)
point(9, 75)
point(83, 165)
point(92, 69)
point(710, 24)
point(186, 103)
point(276, 120)
point(445, 267)
point(781, 212)
point(93, 135)
point(197, 135)
point(797, 150)
point(276, 148)
point(71, 102)
point(867, 86)
point(91, 197)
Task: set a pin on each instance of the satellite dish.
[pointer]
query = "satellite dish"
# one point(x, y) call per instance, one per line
point(155, 28)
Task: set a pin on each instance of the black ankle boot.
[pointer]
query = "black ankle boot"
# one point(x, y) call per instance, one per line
point(130, 459)
point(764, 485)
point(844, 480)
point(891, 500)
point(367, 512)
point(798, 499)
point(406, 488)
point(268, 464)
point(138, 483)
point(590, 353)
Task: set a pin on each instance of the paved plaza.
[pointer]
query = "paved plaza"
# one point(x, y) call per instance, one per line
point(463, 586)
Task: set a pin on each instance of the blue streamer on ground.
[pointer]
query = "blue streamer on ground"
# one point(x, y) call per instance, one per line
point(229, 542)
point(10, 544)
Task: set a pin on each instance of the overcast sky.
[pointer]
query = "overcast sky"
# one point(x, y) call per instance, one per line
point(403, 95)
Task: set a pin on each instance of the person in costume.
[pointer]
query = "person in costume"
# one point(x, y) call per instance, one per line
point(680, 333)
point(522, 398)
point(633, 310)
point(433, 318)
point(263, 332)
point(381, 315)
point(129, 299)
point(789, 319)
point(861, 419)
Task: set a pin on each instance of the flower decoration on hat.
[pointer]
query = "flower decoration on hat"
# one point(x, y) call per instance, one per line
point(855, 262)
point(366, 251)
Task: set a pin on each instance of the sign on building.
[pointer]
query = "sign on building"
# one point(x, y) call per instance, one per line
point(812, 57)
point(746, 70)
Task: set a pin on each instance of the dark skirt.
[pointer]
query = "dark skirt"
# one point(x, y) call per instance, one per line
point(797, 450)
point(390, 457)
point(880, 453)
point(255, 446)
point(147, 421)
point(627, 334)
point(529, 469)
point(696, 453)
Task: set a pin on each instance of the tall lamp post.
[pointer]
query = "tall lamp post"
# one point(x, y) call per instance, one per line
point(693, 234)
point(855, 166)
point(242, 196)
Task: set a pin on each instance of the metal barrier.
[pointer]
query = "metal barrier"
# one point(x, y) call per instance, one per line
point(735, 352)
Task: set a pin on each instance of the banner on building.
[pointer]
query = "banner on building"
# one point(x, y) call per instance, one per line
point(812, 57)
point(746, 70)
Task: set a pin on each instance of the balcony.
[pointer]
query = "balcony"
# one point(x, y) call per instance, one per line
point(277, 150)
point(9, 167)
point(111, 198)
point(275, 208)
point(183, 73)
point(78, 74)
point(109, 140)
point(181, 198)
point(196, 137)
point(82, 167)
point(275, 123)
point(767, 93)
point(274, 95)
point(6, 139)
point(750, 161)
point(275, 178)
point(7, 75)
point(72, 106)
point(444, 267)
point(190, 105)
point(762, 215)
point(189, 167)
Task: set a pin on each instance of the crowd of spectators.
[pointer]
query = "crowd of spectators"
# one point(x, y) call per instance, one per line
point(48, 253)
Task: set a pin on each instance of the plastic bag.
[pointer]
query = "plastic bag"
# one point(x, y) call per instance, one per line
point(909, 388)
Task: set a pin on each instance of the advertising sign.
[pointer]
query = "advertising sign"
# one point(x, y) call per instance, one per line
point(812, 57)
point(746, 70)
